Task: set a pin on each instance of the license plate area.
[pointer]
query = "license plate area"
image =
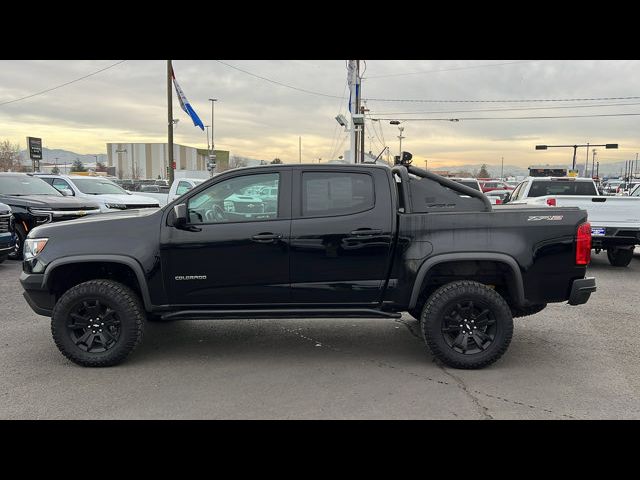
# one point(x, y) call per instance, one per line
point(598, 231)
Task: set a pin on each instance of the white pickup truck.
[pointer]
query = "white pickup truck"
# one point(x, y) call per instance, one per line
point(180, 186)
point(615, 221)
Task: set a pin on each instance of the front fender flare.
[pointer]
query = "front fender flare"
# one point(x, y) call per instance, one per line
point(122, 259)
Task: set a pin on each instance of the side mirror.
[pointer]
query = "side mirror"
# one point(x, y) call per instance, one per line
point(506, 198)
point(180, 215)
point(66, 193)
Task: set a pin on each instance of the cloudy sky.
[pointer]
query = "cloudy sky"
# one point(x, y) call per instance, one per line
point(258, 118)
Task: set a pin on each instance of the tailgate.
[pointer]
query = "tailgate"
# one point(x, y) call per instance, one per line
point(620, 212)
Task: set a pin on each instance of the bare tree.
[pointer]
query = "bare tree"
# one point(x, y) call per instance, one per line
point(9, 156)
point(237, 162)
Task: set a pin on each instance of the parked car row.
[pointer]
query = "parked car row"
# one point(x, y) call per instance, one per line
point(615, 220)
point(36, 199)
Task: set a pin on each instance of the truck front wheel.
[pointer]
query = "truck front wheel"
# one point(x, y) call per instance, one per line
point(466, 324)
point(620, 256)
point(97, 323)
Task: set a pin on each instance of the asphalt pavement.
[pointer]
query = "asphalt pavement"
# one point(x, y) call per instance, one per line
point(563, 363)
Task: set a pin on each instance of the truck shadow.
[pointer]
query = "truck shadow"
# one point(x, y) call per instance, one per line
point(277, 340)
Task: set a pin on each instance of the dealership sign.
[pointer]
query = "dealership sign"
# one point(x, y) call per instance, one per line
point(35, 148)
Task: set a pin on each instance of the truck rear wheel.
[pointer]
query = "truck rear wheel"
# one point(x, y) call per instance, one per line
point(97, 323)
point(620, 256)
point(466, 324)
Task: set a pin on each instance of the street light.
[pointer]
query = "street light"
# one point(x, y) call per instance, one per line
point(575, 147)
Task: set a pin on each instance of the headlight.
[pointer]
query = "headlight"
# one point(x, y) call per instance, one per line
point(119, 206)
point(33, 246)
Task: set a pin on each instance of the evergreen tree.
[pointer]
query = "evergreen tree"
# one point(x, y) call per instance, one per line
point(484, 173)
point(276, 160)
point(55, 170)
point(78, 166)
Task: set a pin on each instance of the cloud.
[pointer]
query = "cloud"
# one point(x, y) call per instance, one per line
point(259, 119)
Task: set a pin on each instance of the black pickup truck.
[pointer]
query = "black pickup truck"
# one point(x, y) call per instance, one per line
point(342, 241)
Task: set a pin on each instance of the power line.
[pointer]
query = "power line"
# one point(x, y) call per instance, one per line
point(62, 85)
point(311, 92)
point(422, 72)
point(278, 83)
point(507, 109)
point(501, 101)
point(512, 118)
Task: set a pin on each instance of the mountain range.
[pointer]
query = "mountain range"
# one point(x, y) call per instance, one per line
point(62, 156)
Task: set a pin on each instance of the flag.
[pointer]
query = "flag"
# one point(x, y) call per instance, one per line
point(184, 103)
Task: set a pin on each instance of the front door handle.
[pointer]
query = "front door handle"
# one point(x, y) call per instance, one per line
point(266, 237)
point(365, 231)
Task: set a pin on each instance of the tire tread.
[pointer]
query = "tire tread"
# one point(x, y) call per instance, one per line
point(125, 297)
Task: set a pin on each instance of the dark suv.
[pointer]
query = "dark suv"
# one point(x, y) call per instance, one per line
point(34, 202)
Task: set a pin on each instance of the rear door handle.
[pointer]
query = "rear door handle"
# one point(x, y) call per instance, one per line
point(266, 237)
point(365, 231)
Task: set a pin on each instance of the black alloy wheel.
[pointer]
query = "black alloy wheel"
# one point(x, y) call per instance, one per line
point(93, 326)
point(469, 327)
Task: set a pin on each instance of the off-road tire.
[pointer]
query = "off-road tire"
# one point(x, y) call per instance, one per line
point(517, 312)
point(620, 257)
point(432, 322)
point(116, 296)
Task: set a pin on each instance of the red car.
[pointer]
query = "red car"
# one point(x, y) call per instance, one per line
point(494, 185)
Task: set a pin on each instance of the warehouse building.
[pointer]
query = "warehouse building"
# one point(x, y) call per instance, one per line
point(150, 160)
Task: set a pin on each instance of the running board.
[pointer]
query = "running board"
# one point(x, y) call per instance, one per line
point(279, 313)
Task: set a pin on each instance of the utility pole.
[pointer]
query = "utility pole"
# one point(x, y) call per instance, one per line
point(593, 160)
point(502, 169)
point(636, 169)
point(353, 78)
point(299, 149)
point(212, 153)
point(586, 165)
point(598, 169)
point(170, 121)
point(362, 136)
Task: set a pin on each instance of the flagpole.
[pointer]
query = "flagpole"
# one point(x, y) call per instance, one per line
point(170, 121)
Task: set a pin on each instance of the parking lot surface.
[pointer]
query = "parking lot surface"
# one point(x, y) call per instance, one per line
point(563, 363)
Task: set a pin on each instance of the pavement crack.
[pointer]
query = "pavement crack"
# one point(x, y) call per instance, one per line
point(484, 411)
point(457, 381)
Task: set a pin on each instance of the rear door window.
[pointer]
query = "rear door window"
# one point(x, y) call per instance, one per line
point(540, 188)
point(336, 193)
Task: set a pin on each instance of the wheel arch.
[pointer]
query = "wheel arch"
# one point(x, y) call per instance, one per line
point(515, 287)
point(120, 260)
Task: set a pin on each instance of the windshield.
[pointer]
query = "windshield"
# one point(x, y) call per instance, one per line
point(97, 187)
point(561, 187)
point(26, 185)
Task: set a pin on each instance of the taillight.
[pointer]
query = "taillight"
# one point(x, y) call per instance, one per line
point(498, 201)
point(551, 202)
point(583, 244)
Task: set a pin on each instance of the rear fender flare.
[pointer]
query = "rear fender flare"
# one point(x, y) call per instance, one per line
point(516, 288)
